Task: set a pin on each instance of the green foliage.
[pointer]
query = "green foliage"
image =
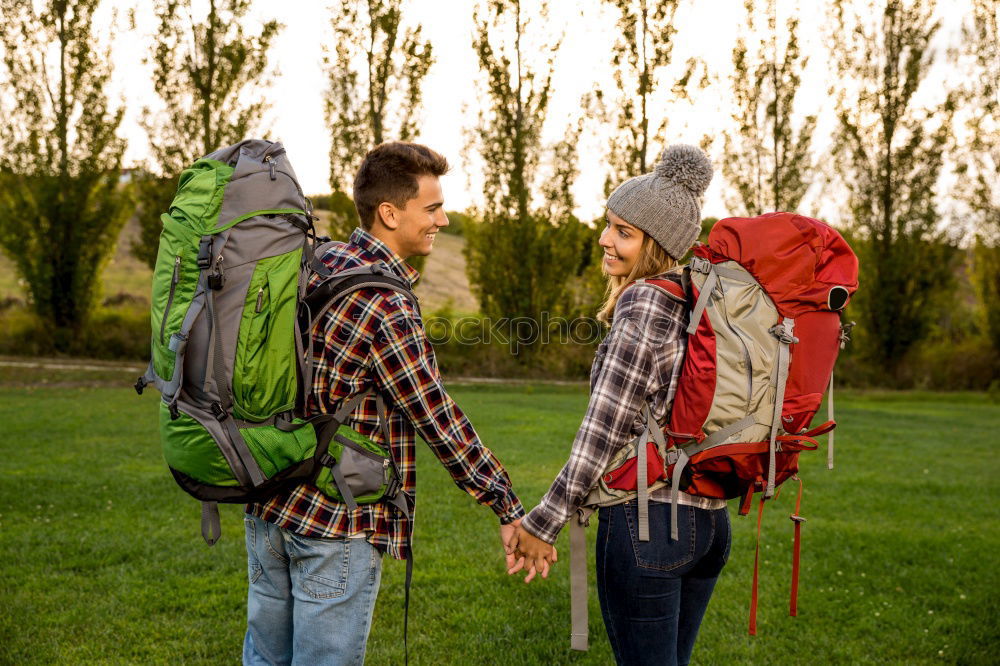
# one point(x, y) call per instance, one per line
point(458, 222)
point(357, 103)
point(639, 55)
point(706, 227)
point(517, 255)
point(116, 571)
point(343, 216)
point(979, 171)
point(118, 332)
point(766, 161)
point(201, 72)
point(61, 205)
point(889, 154)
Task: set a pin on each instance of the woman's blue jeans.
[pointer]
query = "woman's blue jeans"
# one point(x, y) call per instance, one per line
point(654, 593)
point(310, 601)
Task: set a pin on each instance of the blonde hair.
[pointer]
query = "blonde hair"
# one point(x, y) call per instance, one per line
point(652, 260)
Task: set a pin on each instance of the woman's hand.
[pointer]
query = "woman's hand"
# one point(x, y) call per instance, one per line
point(532, 554)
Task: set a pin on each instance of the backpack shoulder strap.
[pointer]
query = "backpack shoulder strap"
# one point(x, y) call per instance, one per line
point(672, 288)
point(341, 283)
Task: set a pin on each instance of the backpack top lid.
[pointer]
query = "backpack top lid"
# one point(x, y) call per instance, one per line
point(261, 181)
point(796, 259)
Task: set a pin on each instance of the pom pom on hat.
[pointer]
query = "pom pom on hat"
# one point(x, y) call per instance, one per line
point(686, 166)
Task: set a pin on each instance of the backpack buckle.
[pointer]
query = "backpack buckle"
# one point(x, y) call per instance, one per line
point(326, 460)
point(205, 252)
point(140, 384)
point(216, 281)
point(219, 413)
point(701, 265)
point(174, 413)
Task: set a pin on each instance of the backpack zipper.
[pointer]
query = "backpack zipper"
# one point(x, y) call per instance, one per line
point(170, 299)
point(260, 300)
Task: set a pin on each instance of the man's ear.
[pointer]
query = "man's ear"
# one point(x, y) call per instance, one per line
point(386, 212)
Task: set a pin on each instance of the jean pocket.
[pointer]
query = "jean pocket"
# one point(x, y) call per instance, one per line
point(323, 566)
point(661, 553)
point(254, 568)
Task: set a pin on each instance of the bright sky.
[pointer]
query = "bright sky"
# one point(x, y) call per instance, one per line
point(706, 29)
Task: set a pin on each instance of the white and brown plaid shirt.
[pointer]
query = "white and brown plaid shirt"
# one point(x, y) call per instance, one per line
point(639, 361)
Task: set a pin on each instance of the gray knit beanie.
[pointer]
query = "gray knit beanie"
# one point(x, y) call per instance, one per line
point(666, 204)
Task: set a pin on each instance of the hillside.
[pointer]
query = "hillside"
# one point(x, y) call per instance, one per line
point(443, 280)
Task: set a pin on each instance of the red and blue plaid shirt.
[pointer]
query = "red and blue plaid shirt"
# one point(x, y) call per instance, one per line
point(374, 338)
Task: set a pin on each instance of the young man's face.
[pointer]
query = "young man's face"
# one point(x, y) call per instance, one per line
point(417, 223)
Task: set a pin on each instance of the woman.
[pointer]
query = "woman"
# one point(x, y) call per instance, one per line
point(653, 593)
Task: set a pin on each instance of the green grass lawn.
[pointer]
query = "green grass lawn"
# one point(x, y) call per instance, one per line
point(101, 560)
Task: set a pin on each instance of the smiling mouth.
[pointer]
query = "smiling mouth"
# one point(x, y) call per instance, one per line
point(610, 257)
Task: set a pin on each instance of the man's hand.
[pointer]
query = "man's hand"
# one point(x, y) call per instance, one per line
point(506, 537)
point(531, 554)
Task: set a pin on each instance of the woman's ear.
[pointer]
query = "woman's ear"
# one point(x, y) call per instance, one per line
point(386, 212)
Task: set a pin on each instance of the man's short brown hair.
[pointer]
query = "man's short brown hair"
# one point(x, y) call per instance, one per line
point(389, 173)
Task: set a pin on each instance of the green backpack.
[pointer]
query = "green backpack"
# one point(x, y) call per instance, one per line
point(231, 349)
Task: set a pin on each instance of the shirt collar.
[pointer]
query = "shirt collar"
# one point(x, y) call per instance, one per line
point(380, 250)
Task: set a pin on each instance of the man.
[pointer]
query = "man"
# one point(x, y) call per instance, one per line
point(315, 564)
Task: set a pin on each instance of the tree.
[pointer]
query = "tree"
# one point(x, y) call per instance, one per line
point(201, 72)
point(889, 154)
point(979, 172)
point(61, 204)
point(639, 55)
point(766, 161)
point(365, 107)
point(517, 256)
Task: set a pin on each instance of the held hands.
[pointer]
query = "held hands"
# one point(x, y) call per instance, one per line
point(526, 551)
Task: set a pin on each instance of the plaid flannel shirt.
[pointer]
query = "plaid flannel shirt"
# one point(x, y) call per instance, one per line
point(639, 361)
point(374, 338)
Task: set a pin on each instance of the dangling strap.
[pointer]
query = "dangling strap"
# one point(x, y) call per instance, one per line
point(829, 417)
point(641, 480)
point(399, 501)
point(579, 636)
point(783, 332)
point(793, 605)
point(756, 563)
point(675, 482)
point(211, 527)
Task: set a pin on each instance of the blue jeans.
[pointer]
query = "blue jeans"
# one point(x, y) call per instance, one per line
point(310, 601)
point(654, 593)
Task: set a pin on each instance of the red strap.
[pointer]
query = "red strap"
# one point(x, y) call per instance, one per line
point(747, 500)
point(668, 285)
point(793, 606)
point(756, 560)
point(821, 429)
point(796, 442)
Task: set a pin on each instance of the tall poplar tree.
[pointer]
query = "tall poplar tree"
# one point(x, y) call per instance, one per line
point(61, 204)
point(202, 72)
point(766, 159)
point(639, 56)
point(518, 255)
point(888, 152)
point(979, 173)
point(375, 72)
point(380, 100)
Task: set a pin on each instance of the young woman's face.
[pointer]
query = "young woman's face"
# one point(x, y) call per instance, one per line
point(622, 243)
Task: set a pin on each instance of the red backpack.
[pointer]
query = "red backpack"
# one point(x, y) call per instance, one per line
point(764, 332)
